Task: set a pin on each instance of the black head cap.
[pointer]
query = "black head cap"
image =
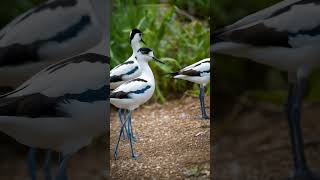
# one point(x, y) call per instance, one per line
point(134, 32)
point(144, 50)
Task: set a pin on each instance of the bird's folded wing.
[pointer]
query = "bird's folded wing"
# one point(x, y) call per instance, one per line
point(51, 17)
point(133, 87)
point(258, 16)
point(282, 28)
point(126, 71)
point(73, 75)
point(34, 105)
point(283, 21)
point(203, 65)
point(51, 22)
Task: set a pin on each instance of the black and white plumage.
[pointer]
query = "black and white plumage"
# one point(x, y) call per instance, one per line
point(287, 37)
point(130, 68)
point(282, 36)
point(199, 73)
point(50, 32)
point(131, 94)
point(60, 108)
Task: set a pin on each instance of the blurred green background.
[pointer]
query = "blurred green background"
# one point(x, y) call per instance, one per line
point(178, 31)
point(11, 9)
point(241, 77)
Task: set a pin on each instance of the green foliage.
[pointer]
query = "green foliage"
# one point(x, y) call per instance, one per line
point(228, 11)
point(313, 95)
point(198, 8)
point(278, 97)
point(177, 38)
point(11, 9)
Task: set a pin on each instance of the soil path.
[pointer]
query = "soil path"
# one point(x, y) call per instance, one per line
point(172, 142)
point(254, 144)
point(88, 163)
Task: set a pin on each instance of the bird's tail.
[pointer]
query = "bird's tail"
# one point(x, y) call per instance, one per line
point(215, 38)
point(171, 74)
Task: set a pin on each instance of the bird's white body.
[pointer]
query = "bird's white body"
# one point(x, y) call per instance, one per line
point(128, 70)
point(200, 75)
point(138, 90)
point(66, 135)
point(124, 69)
point(76, 105)
point(285, 36)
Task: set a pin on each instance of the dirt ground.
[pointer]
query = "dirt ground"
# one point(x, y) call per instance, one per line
point(87, 164)
point(172, 142)
point(253, 143)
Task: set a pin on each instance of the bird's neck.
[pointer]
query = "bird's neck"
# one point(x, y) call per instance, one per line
point(135, 46)
point(146, 71)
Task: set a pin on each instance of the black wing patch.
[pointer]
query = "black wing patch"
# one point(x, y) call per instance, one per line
point(261, 35)
point(71, 31)
point(128, 62)
point(16, 54)
point(202, 63)
point(89, 95)
point(125, 95)
point(34, 106)
point(190, 72)
point(257, 35)
point(119, 95)
point(118, 78)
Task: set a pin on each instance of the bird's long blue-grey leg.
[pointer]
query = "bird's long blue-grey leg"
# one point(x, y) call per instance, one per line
point(62, 170)
point(131, 131)
point(295, 95)
point(130, 139)
point(121, 113)
point(202, 105)
point(126, 126)
point(120, 119)
point(47, 165)
point(31, 159)
point(121, 130)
